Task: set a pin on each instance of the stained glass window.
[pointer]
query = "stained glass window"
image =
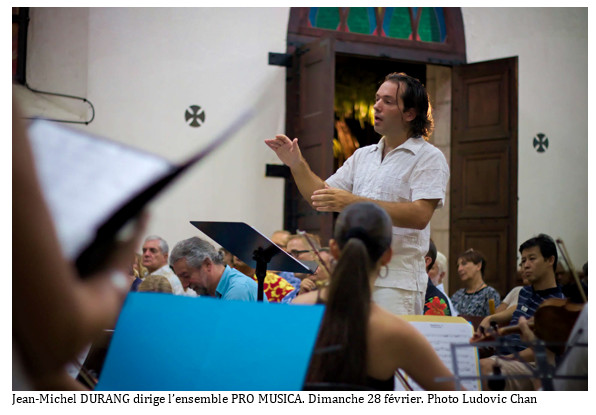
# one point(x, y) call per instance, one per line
point(324, 17)
point(396, 23)
point(431, 27)
point(426, 24)
point(362, 20)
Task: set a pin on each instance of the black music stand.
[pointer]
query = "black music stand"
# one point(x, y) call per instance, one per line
point(254, 249)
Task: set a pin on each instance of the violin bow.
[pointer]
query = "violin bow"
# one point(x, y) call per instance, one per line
point(315, 250)
point(403, 381)
point(89, 379)
point(567, 260)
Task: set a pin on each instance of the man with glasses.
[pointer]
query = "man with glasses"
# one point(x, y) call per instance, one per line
point(281, 238)
point(299, 248)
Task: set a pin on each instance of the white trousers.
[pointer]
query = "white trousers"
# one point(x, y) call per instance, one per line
point(398, 301)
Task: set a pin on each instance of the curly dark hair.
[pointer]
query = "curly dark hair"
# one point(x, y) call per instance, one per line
point(414, 96)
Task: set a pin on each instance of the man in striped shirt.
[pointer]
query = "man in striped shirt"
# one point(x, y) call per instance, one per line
point(538, 265)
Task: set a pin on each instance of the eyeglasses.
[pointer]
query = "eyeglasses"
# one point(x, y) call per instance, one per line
point(295, 253)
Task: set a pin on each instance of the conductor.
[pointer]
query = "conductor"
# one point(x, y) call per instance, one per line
point(403, 173)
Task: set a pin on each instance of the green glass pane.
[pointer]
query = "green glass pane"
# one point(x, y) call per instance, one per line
point(399, 25)
point(327, 18)
point(428, 28)
point(358, 21)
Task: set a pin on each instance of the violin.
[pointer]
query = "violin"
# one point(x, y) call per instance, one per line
point(552, 322)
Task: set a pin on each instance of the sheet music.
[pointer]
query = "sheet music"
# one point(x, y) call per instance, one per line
point(441, 335)
point(85, 179)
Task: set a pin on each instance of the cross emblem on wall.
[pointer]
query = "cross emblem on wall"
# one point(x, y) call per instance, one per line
point(196, 116)
point(540, 142)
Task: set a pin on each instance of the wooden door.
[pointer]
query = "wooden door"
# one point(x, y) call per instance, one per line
point(483, 210)
point(310, 117)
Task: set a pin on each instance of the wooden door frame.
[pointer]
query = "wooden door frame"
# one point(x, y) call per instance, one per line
point(485, 136)
point(450, 54)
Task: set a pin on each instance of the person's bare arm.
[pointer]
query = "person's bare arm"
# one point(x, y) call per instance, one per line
point(308, 298)
point(413, 215)
point(289, 153)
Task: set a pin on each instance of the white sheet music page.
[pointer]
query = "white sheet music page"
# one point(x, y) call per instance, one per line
point(442, 333)
point(85, 179)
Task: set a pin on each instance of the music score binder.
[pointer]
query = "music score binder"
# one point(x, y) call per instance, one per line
point(94, 186)
point(254, 249)
point(444, 332)
point(164, 342)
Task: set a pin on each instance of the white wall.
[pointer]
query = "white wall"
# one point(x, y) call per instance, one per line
point(552, 46)
point(142, 67)
point(145, 66)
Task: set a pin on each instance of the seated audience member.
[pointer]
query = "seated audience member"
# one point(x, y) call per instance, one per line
point(274, 286)
point(155, 284)
point(135, 273)
point(197, 261)
point(538, 262)
point(360, 343)
point(138, 268)
point(473, 300)
point(56, 314)
point(228, 257)
point(300, 249)
point(155, 259)
point(281, 238)
point(438, 276)
point(435, 302)
point(327, 258)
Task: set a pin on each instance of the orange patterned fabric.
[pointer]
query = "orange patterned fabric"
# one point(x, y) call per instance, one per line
point(275, 287)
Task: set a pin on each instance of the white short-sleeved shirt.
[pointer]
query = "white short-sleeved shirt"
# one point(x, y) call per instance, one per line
point(512, 296)
point(412, 171)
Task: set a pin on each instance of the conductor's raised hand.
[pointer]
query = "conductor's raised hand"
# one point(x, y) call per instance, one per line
point(287, 150)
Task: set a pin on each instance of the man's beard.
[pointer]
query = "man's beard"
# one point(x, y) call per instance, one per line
point(199, 289)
